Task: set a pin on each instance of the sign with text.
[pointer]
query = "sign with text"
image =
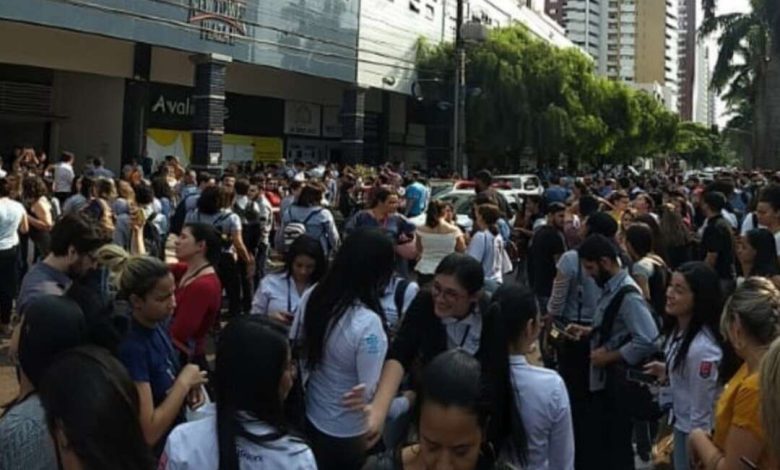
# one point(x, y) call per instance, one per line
point(302, 118)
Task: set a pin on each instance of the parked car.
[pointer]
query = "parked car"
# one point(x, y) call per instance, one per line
point(528, 185)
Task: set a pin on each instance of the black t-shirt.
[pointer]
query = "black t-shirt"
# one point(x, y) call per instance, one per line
point(717, 238)
point(546, 244)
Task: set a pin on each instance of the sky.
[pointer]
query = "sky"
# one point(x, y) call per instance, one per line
point(726, 6)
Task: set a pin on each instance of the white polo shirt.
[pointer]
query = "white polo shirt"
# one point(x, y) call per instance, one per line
point(193, 446)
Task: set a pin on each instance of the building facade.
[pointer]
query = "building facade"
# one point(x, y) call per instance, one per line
point(633, 41)
point(214, 81)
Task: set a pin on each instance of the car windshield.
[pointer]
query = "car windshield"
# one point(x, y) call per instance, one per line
point(461, 202)
point(439, 188)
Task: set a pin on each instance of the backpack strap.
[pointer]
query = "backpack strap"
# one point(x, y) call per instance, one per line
point(311, 215)
point(398, 296)
point(611, 312)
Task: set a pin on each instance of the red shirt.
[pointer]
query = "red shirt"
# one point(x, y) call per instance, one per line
point(197, 308)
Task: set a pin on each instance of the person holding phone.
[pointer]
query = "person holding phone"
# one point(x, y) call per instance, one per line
point(692, 348)
point(163, 385)
point(279, 294)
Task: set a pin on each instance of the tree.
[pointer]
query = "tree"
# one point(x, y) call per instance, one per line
point(534, 95)
point(748, 65)
point(698, 145)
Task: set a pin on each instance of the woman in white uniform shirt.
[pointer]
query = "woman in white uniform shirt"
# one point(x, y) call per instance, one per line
point(279, 294)
point(13, 220)
point(254, 374)
point(693, 353)
point(536, 415)
point(344, 343)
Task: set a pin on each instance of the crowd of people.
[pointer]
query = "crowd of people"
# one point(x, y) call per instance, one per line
point(294, 316)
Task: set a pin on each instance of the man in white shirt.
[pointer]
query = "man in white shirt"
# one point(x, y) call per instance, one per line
point(63, 177)
point(768, 211)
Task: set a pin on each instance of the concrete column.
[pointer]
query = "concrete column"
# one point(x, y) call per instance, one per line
point(353, 109)
point(136, 106)
point(208, 126)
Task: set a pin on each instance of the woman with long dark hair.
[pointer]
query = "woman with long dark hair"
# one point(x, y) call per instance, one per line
point(451, 417)
point(198, 291)
point(214, 208)
point(436, 239)
point(532, 406)
point(39, 214)
point(342, 327)
point(254, 372)
point(101, 431)
point(280, 293)
point(693, 351)
point(451, 314)
point(755, 253)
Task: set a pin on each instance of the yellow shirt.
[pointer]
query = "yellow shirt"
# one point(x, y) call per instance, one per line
point(739, 407)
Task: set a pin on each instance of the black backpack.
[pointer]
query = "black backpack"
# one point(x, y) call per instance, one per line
point(179, 214)
point(154, 242)
point(251, 224)
point(632, 398)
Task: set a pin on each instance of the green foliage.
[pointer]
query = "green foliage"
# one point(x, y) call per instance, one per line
point(534, 95)
point(699, 145)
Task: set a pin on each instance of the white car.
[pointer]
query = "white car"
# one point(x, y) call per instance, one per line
point(463, 199)
point(527, 185)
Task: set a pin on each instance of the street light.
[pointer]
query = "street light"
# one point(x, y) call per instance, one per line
point(472, 31)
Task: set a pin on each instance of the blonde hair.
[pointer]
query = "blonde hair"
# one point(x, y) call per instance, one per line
point(125, 190)
point(131, 274)
point(757, 304)
point(770, 396)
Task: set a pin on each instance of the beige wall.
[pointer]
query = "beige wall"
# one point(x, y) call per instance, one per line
point(92, 106)
point(650, 41)
point(64, 50)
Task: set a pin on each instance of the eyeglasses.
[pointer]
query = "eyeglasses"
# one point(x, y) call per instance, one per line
point(450, 295)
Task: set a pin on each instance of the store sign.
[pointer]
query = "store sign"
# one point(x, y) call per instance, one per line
point(302, 118)
point(219, 20)
point(331, 122)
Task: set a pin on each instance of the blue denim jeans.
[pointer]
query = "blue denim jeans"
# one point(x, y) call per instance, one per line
point(680, 455)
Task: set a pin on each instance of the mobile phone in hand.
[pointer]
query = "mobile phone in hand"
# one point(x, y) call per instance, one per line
point(641, 377)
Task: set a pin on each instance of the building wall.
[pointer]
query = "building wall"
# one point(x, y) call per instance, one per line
point(92, 109)
point(390, 32)
point(650, 41)
point(64, 50)
point(317, 37)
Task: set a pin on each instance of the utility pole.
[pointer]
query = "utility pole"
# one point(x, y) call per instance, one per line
point(459, 110)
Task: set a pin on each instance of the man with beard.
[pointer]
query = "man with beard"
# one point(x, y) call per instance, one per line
point(74, 240)
point(622, 335)
point(546, 247)
point(482, 181)
point(573, 301)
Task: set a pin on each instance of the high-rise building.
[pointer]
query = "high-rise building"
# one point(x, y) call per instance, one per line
point(689, 21)
point(704, 97)
point(634, 41)
point(582, 20)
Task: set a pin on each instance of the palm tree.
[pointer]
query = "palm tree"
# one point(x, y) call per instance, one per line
point(748, 66)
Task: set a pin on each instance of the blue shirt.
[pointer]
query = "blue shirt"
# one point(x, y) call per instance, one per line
point(633, 333)
point(416, 199)
point(149, 357)
point(575, 293)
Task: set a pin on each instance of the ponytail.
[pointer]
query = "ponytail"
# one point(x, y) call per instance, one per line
point(510, 311)
point(131, 274)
